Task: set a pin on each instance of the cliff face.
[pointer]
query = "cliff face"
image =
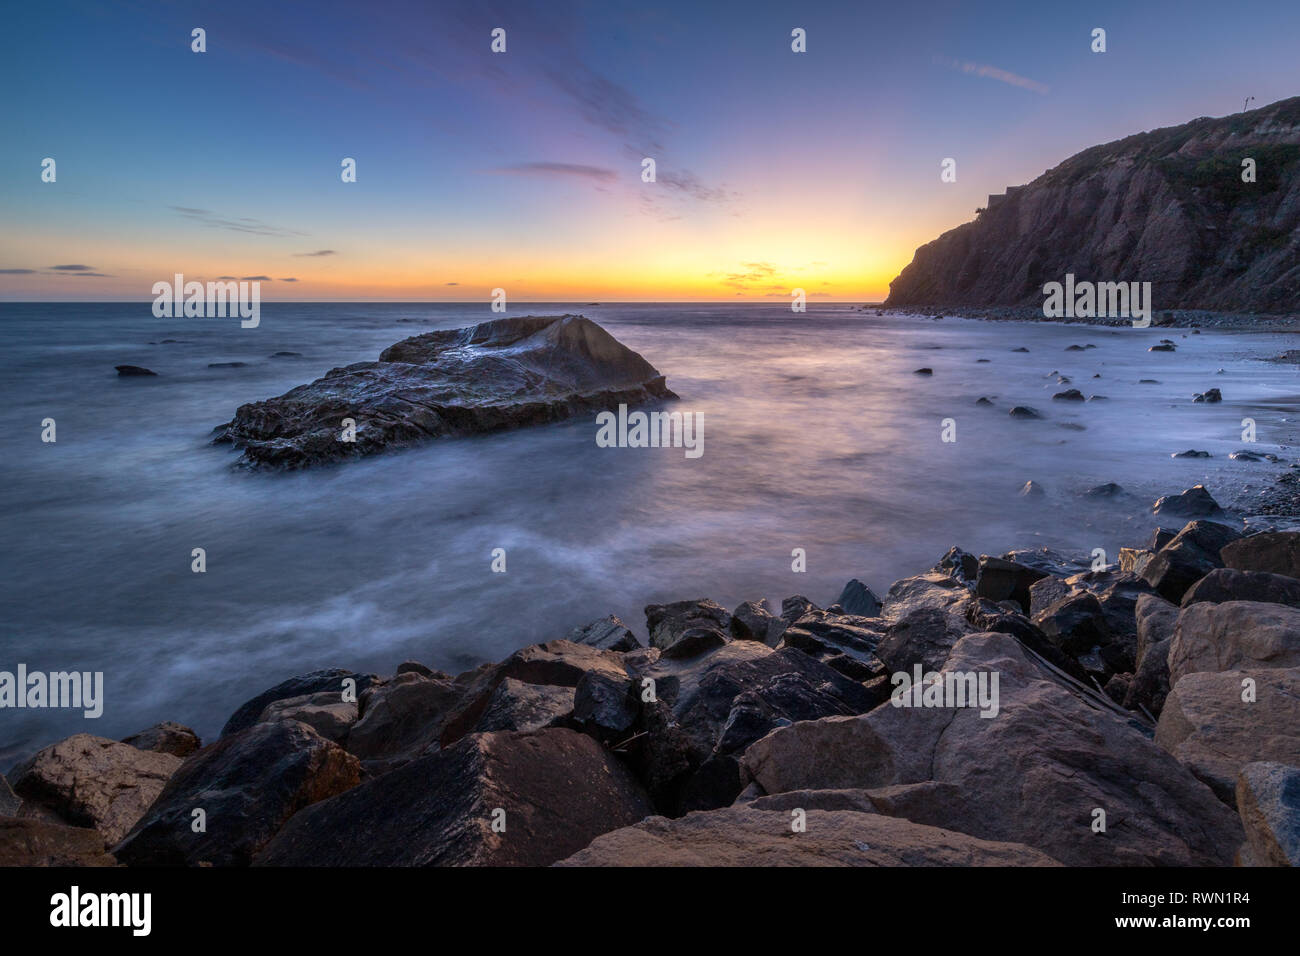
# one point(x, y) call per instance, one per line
point(1167, 207)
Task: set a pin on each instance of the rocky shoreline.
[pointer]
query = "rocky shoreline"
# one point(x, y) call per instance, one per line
point(1164, 318)
point(1141, 713)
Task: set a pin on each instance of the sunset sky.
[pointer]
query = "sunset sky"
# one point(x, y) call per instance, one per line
point(523, 170)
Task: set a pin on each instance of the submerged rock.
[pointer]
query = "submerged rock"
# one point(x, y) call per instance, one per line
point(133, 370)
point(508, 373)
point(1195, 502)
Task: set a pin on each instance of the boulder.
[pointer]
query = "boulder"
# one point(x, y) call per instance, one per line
point(1277, 552)
point(935, 590)
point(507, 373)
point(1032, 774)
point(745, 837)
point(29, 842)
point(702, 624)
point(960, 565)
point(1212, 731)
point(1229, 584)
point(90, 781)
point(1135, 560)
point(167, 737)
point(558, 791)
point(708, 709)
point(515, 705)
point(1192, 554)
point(844, 642)
point(793, 608)
point(1268, 799)
point(1075, 623)
point(327, 713)
point(926, 636)
point(607, 634)
point(1156, 619)
point(1002, 580)
point(314, 683)
point(552, 664)
point(415, 667)
point(129, 371)
point(605, 706)
point(754, 621)
point(1045, 592)
point(400, 719)
point(859, 600)
point(247, 784)
point(1195, 502)
point(1233, 636)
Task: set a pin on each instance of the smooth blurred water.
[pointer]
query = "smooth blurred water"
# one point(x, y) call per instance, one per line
point(818, 435)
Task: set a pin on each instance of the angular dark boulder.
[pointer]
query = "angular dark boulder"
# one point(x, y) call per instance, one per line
point(1195, 502)
point(754, 621)
point(858, 599)
point(314, 683)
point(702, 623)
point(1002, 580)
point(1229, 584)
point(247, 784)
point(1277, 552)
point(507, 373)
point(1075, 623)
point(708, 708)
point(1156, 619)
point(607, 634)
point(1193, 553)
point(167, 737)
point(558, 791)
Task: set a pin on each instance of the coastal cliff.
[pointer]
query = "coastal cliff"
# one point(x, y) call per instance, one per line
point(1168, 207)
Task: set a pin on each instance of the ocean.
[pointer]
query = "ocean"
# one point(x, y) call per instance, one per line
point(819, 436)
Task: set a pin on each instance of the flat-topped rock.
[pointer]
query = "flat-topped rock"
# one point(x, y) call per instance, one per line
point(507, 373)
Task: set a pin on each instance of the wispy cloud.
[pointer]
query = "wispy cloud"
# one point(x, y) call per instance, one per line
point(243, 224)
point(291, 279)
point(255, 278)
point(567, 170)
point(67, 272)
point(318, 252)
point(993, 73)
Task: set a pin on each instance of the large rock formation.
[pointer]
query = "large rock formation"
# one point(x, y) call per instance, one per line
point(1167, 207)
point(1036, 773)
point(502, 374)
point(495, 799)
point(744, 836)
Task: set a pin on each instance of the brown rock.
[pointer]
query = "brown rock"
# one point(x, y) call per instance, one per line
point(247, 785)
point(39, 843)
point(1033, 774)
point(1237, 634)
point(558, 789)
point(167, 737)
point(1214, 732)
point(91, 781)
point(744, 836)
